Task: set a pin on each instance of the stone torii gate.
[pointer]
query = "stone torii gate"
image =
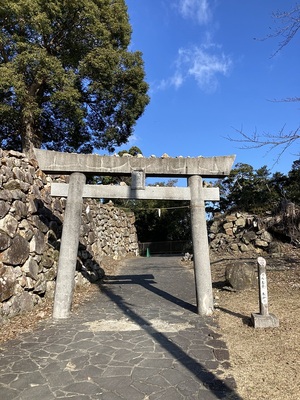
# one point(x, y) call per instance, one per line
point(81, 165)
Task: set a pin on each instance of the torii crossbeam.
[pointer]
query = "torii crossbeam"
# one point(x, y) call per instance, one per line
point(81, 165)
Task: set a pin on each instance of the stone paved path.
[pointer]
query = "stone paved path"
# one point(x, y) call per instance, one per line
point(139, 338)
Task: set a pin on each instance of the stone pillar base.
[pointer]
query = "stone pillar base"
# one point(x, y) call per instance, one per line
point(264, 321)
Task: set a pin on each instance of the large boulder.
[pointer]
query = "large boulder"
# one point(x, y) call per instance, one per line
point(241, 276)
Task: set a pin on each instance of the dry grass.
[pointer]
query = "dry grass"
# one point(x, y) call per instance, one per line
point(264, 362)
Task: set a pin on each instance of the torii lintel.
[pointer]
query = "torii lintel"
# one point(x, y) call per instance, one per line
point(93, 164)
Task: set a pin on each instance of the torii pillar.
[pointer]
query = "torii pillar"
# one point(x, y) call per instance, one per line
point(69, 247)
point(203, 282)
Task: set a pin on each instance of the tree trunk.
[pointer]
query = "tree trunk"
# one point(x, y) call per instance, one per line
point(30, 138)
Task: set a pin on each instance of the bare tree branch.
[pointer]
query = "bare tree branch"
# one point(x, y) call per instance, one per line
point(286, 100)
point(281, 140)
point(289, 26)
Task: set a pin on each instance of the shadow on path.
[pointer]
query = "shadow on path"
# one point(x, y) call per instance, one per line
point(221, 389)
point(147, 282)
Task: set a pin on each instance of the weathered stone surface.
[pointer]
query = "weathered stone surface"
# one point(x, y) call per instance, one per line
point(5, 195)
point(243, 247)
point(18, 173)
point(50, 288)
point(249, 237)
point(240, 222)
point(28, 177)
point(234, 247)
point(4, 208)
point(6, 171)
point(15, 306)
point(264, 321)
point(40, 286)
point(49, 258)
point(32, 205)
point(39, 222)
point(7, 282)
point(9, 224)
point(227, 225)
point(37, 243)
point(91, 237)
point(241, 276)
point(5, 240)
point(17, 194)
point(16, 154)
point(20, 209)
point(31, 268)
point(96, 250)
point(50, 274)
point(274, 248)
point(57, 205)
point(26, 230)
point(267, 237)
point(28, 283)
point(261, 243)
point(231, 218)
point(17, 253)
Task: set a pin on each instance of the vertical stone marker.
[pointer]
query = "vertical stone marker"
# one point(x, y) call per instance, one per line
point(263, 319)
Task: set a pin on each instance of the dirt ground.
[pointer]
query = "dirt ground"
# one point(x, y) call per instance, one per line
point(264, 362)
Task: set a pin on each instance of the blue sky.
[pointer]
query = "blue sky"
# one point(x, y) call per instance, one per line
point(209, 77)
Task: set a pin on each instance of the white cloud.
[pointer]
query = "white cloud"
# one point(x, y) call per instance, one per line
point(202, 63)
point(204, 66)
point(177, 79)
point(195, 9)
point(174, 81)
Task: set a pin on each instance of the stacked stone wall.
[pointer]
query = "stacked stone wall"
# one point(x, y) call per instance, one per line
point(241, 233)
point(30, 231)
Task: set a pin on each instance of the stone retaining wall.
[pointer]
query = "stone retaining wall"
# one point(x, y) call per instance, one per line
point(30, 231)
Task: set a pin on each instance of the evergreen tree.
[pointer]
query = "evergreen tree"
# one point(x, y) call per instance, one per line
point(162, 220)
point(67, 79)
point(293, 183)
point(246, 189)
